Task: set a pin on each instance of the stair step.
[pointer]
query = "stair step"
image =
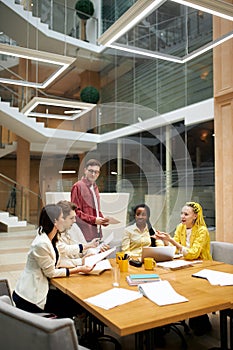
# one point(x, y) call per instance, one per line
point(12, 223)
point(6, 228)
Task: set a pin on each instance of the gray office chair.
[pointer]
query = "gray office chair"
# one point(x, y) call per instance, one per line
point(5, 288)
point(223, 251)
point(23, 330)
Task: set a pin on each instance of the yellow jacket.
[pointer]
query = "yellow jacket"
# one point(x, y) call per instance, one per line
point(199, 242)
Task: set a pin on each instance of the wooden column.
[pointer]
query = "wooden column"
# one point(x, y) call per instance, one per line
point(23, 175)
point(223, 118)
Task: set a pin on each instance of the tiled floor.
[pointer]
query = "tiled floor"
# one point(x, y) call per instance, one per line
point(13, 253)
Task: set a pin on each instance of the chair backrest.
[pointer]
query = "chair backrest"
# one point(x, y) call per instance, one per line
point(222, 251)
point(5, 288)
point(21, 330)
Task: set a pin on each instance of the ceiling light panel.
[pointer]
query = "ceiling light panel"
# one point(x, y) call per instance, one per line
point(135, 32)
point(33, 61)
point(56, 109)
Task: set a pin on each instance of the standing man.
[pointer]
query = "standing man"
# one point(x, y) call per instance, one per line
point(85, 195)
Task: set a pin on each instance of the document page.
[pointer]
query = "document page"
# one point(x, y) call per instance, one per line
point(112, 220)
point(161, 293)
point(114, 297)
point(216, 277)
point(177, 264)
point(93, 259)
point(101, 266)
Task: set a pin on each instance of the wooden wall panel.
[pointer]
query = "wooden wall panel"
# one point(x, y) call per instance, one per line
point(223, 119)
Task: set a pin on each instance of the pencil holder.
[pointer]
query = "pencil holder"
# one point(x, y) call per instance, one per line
point(119, 256)
point(123, 265)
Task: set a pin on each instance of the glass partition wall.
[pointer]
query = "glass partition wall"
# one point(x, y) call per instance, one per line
point(164, 167)
point(158, 160)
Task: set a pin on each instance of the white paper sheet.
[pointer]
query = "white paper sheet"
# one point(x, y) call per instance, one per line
point(161, 293)
point(177, 264)
point(93, 259)
point(216, 277)
point(112, 220)
point(101, 266)
point(114, 297)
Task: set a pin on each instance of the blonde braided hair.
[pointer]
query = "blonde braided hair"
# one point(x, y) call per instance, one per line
point(200, 221)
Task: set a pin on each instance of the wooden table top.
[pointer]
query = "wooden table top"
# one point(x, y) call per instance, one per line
point(143, 314)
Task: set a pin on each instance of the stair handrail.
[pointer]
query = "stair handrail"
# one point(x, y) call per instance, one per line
point(25, 208)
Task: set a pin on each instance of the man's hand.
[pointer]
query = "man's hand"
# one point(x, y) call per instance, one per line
point(102, 221)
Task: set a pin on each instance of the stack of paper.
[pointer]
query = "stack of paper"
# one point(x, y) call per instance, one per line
point(161, 293)
point(216, 277)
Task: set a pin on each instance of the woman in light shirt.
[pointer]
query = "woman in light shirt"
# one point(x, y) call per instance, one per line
point(139, 234)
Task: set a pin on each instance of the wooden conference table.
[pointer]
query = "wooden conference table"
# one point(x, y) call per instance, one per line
point(142, 314)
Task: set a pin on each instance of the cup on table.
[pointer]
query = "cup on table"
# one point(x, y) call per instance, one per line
point(119, 256)
point(149, 263)
point(116, 276)
point(123, 265)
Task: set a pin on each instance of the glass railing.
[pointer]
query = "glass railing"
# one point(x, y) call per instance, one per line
point(63, 19)
point(19, 201)
point(177, 35)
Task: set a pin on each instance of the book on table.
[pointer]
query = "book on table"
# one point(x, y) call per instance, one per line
point(136, 279)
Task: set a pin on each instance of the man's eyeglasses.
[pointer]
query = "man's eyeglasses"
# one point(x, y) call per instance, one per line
point(91, 171)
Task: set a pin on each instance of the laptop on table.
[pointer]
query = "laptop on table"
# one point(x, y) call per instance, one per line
point(164, 253)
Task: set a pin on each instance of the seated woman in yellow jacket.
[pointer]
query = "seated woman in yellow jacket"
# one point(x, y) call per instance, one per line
point(192, 239)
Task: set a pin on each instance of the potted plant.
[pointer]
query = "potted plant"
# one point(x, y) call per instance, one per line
point(90, 94)
point(84, 9)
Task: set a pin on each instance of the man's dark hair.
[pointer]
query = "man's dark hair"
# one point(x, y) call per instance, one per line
point(92, 162)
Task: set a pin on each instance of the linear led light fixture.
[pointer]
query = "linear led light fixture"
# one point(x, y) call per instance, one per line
point(144, 52)
point(134, 15)
point(67, 171)
point(39, 56)
point(162, 56)
point(216, 7)
point(28, 109)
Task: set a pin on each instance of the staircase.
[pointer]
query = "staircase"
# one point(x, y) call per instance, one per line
point(9, 223)
point(6, 149)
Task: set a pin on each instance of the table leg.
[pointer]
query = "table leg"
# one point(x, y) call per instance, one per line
point(139, 339)
point(223, 329)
